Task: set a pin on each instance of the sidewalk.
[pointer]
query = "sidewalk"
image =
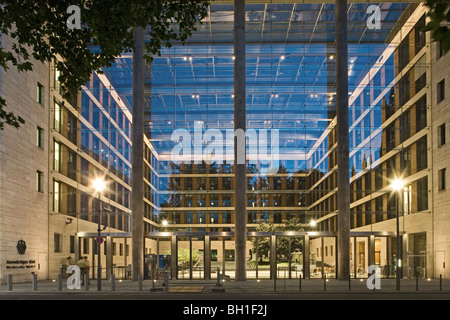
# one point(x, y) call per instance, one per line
point(231, 288)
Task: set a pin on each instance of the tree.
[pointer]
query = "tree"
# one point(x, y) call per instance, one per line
point(184, 256)
point(45, 30)
point(439, 22)
point(292, 224)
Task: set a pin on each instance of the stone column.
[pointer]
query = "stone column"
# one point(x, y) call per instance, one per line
point(173, 257)
point(273, 257)
point(207, 258)
point(137, 207)
point(342, 141)
point(371, 257)
point(306, 258)
point(109, 256)
point(240, 185)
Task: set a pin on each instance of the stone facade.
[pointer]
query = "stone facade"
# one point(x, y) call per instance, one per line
point(24, 208)
point(440, 111)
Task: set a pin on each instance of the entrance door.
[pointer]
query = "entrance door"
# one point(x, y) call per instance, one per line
point(42, 265)
point(417, 255)
point(439, 264)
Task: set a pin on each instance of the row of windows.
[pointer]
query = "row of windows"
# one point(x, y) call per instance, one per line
point(40, 138)
point(86, 245)
point(225, 183)
point(226, 217)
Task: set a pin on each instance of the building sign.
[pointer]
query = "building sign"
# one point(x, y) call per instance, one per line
point(20, 264)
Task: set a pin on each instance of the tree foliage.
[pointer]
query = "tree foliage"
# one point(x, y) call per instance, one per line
point(439, 22)
point(40, 30)
point(292, 224)
point(184, 255)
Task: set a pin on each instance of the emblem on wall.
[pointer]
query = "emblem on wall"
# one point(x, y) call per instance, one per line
point(21, 247)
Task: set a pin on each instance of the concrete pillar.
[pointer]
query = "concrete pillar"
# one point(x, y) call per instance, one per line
point(343, 266)
point(273, 257)
point(240, 184)
point(93, 257)
point(190, 258)
point(403, 254)
point(157, 253)
point(109, 256)
point(125, 255)
point(355, 257)
point(322, 255)
point(173, 257)
point(306, 258)
point(256, 255)
point(137, 224)
point(207, 258)
point(371, 250)
point(77, 248)
point(223, 255)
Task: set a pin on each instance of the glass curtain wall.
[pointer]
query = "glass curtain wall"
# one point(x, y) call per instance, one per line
point(290, 112)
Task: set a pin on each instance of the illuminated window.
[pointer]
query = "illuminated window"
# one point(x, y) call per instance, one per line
point(57, 82)
point(58, 118)
point(56, 196)
point(57, 156)
point(407, 199)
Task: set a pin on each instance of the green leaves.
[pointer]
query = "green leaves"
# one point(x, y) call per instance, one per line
point(107, 30)
point(8, 117)
point(439, 22)
point(283, 246)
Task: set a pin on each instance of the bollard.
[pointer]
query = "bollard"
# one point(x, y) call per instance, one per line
point(218, 277)
point(139, 282)
point(417, 282)
point(60, 282)
point(153, 285)
point(440, 282)
point(113, 282)
point(34, 282)
point(86, 282)
point(349, 282)
point(300, 282)
point(324, 282)
point(218, 283)
point(219, 287)
point(10, 282)
point(166, 280)
point(274, 282)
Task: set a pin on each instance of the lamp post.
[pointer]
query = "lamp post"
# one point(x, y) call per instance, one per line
point(397, 186)
point(99, 185)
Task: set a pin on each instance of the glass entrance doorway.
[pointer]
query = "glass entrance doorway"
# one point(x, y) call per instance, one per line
point(284, 255)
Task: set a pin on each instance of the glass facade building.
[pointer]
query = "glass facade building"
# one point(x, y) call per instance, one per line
point(291, 194)
point(291, 121)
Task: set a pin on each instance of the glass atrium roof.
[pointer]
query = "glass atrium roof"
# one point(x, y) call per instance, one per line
point(290, 73)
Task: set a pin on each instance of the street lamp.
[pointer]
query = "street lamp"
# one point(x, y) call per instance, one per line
point(99, 185)
point(397, 186)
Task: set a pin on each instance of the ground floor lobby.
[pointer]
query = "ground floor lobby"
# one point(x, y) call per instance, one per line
point(284, 255)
